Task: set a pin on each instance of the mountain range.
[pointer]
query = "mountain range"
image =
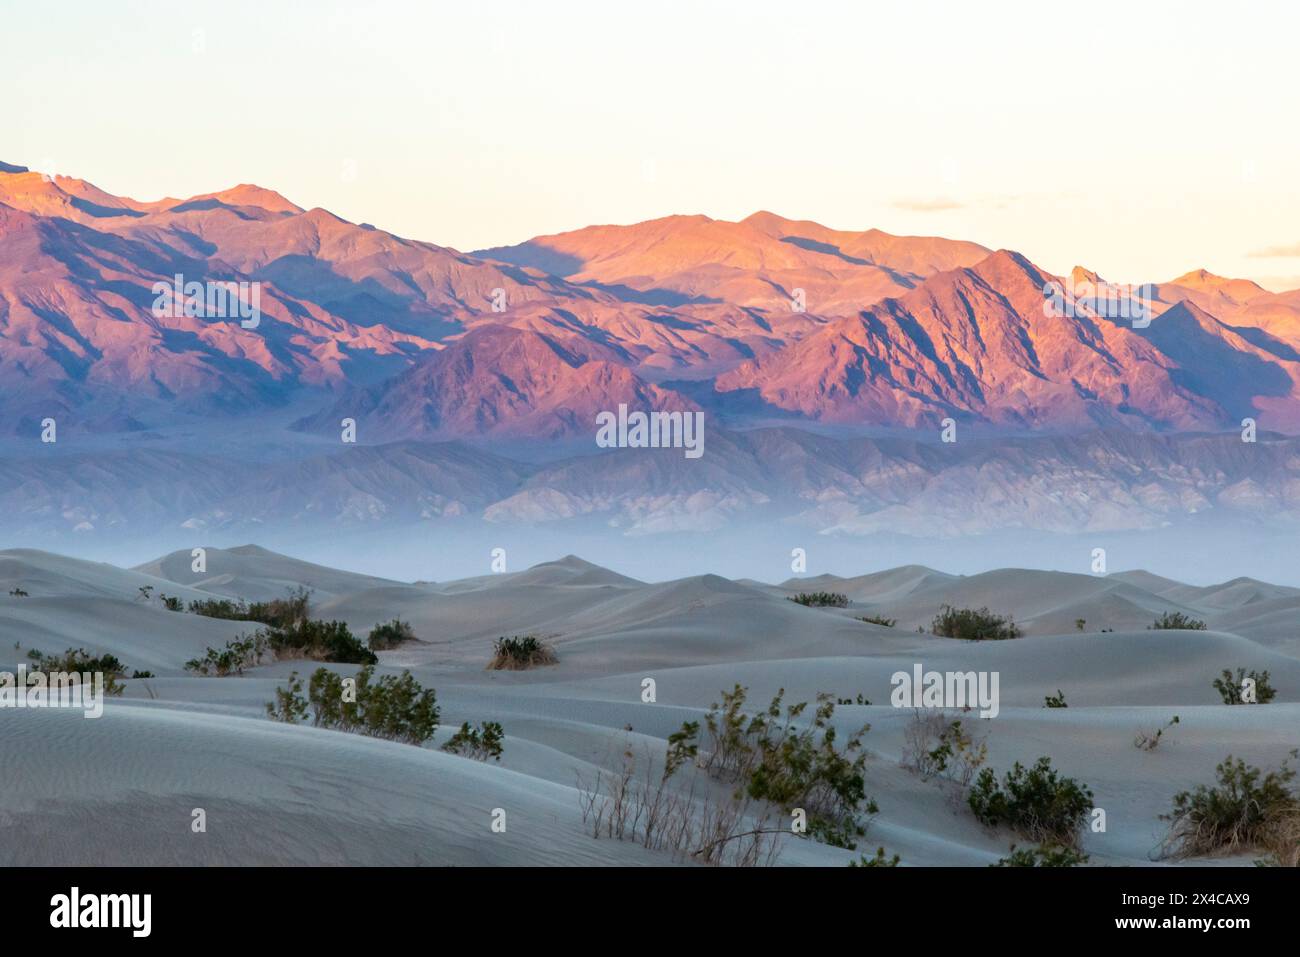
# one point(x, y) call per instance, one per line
point(824, 361)
point(759, 320)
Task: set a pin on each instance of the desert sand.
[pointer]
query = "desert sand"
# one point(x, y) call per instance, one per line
point(123, 789)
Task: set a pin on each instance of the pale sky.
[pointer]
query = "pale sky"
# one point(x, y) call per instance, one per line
point(1139, 139)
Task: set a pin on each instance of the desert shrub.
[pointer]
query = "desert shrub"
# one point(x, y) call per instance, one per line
point(771, 759)
point(1246, 808)
point(879, 860)
point(1034, 802)
point(289, 705)
point(1280, 837)
point(1079, 623)
point(1234, 692)
point(397, 709)
point(146, 592)
point(935, 746)
point(878, 620)
point(1044, 855)
point(17, 593)
point(633, 803)
point(143, 674)
point(1150, 740)
point(171, 602)
point(320, 641)
point(224, 608)
point(1177, 620)
point(80, 660)
point(1055, 701)
point(246, 651)
point(518, 653)
point(477, 743)
point(389, 635)
point(821, 599)
point(971, 624)
point(278, 612)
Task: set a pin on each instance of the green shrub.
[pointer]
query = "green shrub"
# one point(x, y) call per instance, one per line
point(143, 674)
point(1234, 692)
point(879, 860)
point(397, 709)
point(1245, 809)
point(516, 654)
point(477, 743)
point(771, 759)
point(1044, 855)
point(1034, 802)
point(246, 651)
point(171, 602)
point(289, 705)
point(1055, 701)
point(821, 599)
point(878, 620)
point(1177, 620)
point(320, 641)
point(80, 660)
point(969, 624)
point(389, 635)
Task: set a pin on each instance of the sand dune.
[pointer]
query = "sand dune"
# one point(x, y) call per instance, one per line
point(122, 789)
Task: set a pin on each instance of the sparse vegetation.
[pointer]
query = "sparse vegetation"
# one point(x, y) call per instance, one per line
point(1248, 807)
point(1079, 623)
point(1252, 688)
point(171, 602)
point(934, 746)
point(821, 599)
point(973, 624)
point(1044, 855)
point(1150, 740)
point(142, 674)
point(519, 653)
point(389, 635)
point(478, 743)
point(1055, 701)
point(632, 803)
point(861, 699)
point(878, 620)
point(1177, 620)
point(1035, 802)
point(17, 593)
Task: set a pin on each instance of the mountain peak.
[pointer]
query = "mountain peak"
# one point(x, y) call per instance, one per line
point(10, 168)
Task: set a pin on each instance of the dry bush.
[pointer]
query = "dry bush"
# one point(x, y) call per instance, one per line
point(1248, 807)
point(1281, 838)
point(519, 653)
point(1150, 740)
point(632, 803)
point(936, 746)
